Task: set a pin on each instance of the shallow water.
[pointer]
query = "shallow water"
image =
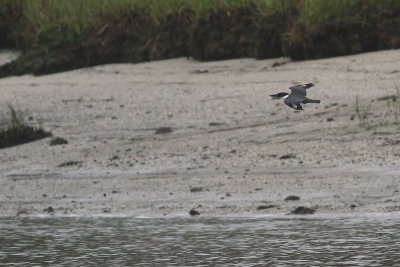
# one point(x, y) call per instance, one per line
point(199, 241)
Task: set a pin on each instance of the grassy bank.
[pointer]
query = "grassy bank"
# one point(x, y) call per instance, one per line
point(57, 35)
point(18, 132)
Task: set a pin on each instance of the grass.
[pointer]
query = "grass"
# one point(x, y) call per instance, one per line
point(388, 116)
point(17, 132)
point(57, 35)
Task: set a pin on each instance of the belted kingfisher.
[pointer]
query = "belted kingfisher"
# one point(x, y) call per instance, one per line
point(297, 96)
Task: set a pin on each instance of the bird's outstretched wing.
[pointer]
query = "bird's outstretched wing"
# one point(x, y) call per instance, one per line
point(300, 89)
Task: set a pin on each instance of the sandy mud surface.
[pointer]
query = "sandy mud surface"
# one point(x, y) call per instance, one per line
point(161, 138)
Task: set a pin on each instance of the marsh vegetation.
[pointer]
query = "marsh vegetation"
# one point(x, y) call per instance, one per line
point(58, 35)
point(17, 132)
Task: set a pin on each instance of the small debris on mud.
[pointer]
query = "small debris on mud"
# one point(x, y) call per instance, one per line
point(303, 210)
point(58, 141)
point(22, 212)
point(115, 157)
point(163, 130)
point(196, 189)
point(201, 71)
point(49, 209)
point(278, 64)
point(216, 124)
point(288, 156)
point(388, 97)
point(70, 163)
point(292, 198)
point(264, 207)
point(194, 212)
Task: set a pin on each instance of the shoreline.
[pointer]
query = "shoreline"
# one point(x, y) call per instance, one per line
point(225, 137)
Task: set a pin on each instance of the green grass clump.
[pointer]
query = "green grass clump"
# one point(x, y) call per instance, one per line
point(57, 35)
point(17, 132)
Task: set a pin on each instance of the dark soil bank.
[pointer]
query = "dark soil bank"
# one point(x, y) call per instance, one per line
point(297, 29)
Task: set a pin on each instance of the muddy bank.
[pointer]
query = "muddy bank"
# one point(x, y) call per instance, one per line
point(165, 137)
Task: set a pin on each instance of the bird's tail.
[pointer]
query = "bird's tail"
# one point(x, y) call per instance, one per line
point(307, 100)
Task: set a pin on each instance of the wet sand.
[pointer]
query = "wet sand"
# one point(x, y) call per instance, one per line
point(226, 148)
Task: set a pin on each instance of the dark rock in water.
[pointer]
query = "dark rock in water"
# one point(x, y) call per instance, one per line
point(264, 207)
point(194, 212)
point(196, 189)
point(302, 210)
point(292, 198)
point(288, 156)
point(330, 119)
point(58, 141)
point(49, 209)
point(163, 130)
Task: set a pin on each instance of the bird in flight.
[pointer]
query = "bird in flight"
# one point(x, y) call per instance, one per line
point(297, 96)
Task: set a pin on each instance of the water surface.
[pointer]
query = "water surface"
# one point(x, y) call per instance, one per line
point(182, 241)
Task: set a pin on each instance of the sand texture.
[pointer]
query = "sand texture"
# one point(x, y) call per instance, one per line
point(161, 138)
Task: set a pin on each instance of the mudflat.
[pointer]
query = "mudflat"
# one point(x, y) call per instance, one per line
point(164, 137)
